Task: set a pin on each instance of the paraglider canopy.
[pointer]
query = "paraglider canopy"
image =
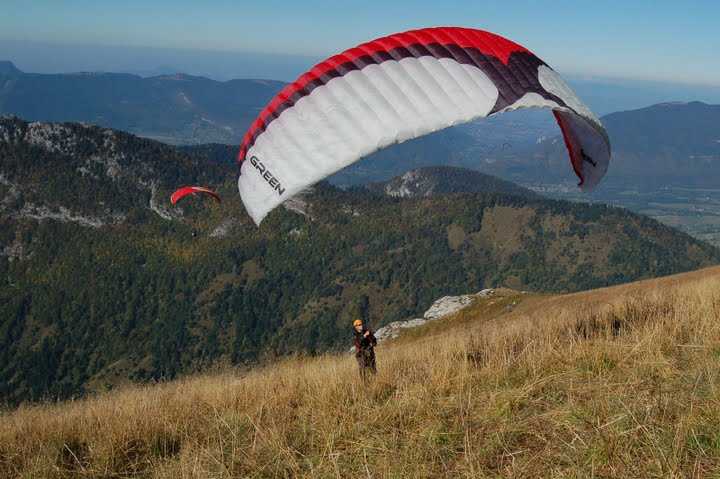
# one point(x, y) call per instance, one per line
point(399, 87)
point(192, 190)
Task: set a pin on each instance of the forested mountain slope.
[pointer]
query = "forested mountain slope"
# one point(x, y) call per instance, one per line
point(103, 281)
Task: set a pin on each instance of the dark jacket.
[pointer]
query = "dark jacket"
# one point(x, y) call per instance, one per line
point(363, 343)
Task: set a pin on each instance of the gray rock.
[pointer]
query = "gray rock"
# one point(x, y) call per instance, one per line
point(224, 228)
point(298, 203)
point(392, 330)
point(447, 305)
point(440, 309)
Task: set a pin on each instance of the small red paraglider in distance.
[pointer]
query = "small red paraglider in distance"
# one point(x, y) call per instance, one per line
point(192, 190)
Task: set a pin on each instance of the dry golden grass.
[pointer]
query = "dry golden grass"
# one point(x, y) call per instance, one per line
point(618, 382)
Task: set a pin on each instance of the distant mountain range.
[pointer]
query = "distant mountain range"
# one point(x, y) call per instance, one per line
point(669, 143)
point(665, 144)
point(103, 281)
point(180, 109)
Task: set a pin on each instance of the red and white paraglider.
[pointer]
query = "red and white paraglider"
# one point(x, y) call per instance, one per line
point(397, 88)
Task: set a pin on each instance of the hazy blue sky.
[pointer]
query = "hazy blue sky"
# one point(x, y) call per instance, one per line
point(660, 40)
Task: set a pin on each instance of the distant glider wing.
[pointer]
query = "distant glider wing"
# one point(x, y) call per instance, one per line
point(192, 190)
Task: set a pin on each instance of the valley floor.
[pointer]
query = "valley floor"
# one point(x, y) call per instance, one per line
point(695, 211)
point(616, 382)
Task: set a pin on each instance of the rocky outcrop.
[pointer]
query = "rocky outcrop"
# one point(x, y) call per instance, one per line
point(299, 203)
point(11, 195)
point(157, 207)
point(53, 137)
point(64, 215)
point(15, 251)
point(440, 309)
point(448, 305)
point(108, 158)
point(436, 180)
point(410, 185)
point(224, 228)
point(392, 330)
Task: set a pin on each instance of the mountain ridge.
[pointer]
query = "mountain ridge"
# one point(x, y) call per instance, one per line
point(432, 180)
point(175, 108)
point(8, 68)
point(676, 141)
point(522, 146)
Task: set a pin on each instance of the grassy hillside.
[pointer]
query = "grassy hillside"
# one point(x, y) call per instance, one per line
point(616, 382)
